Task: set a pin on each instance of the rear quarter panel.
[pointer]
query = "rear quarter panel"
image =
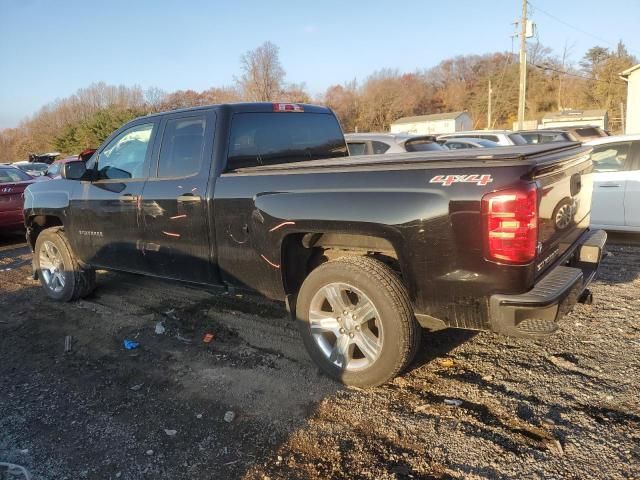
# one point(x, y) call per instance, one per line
point(434, 228)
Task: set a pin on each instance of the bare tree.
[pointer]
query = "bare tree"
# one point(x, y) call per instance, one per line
point(262, 74)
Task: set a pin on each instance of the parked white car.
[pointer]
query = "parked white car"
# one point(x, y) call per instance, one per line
point(616, 183)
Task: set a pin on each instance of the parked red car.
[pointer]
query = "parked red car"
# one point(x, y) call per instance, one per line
point(13, 181)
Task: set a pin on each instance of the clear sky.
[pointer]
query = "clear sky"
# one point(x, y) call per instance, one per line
point(49, 49)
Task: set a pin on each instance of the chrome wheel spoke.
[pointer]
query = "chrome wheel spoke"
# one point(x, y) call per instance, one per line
point(340, 353)
point(323, 322)
point(336, 297)
point(364, 311)
point(367, 344)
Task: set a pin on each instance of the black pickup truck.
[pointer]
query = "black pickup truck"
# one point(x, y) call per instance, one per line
point(364, 250)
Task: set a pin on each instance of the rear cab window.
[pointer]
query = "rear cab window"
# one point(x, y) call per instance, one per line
point(260, 139)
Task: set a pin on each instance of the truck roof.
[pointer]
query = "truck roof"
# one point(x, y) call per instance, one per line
point(245, 107)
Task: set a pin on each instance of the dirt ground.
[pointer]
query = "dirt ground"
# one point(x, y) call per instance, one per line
point(566, 407)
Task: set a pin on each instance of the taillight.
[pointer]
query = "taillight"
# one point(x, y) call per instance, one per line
point(287, 107)
point(510, 220)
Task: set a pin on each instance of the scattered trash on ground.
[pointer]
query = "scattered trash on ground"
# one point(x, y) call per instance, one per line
point(208, 338)
point(137, 387)
point(130, 344)
point(160, 328)
point(453, 402)
point(183, 339)
point(67, 344)
point(447, 362)
point(229, 416)
point(170, 433)
point(149, 452)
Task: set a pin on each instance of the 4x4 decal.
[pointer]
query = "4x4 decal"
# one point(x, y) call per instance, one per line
point(448, 180)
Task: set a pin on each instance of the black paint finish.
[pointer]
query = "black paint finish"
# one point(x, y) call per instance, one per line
point(232, 228)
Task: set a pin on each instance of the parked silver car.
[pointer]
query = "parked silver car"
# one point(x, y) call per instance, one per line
point(35, 169)
point(378, 143)
point(501, 137)
point(461, 143)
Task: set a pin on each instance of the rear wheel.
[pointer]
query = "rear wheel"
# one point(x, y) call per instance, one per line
point(357, 322)
point(58, 270)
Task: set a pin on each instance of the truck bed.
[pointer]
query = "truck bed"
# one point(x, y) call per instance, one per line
point(500, 156)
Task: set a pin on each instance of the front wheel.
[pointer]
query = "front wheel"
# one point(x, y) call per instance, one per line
point(357, 322)
point(61, 276)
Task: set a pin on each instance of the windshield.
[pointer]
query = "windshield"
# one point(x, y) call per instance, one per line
point(10, 175)
point(517, 139)
point(487, 143)
point(34, 167)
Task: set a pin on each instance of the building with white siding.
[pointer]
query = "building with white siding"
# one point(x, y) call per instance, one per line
point(574, 118)
point(632, 120)
point(435, 124)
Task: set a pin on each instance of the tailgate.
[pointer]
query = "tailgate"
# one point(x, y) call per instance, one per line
point(565, 189)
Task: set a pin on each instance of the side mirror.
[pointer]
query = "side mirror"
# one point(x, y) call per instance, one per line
point(75, 170)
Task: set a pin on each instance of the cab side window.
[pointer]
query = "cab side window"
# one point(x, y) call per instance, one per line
point(182, 147)
point(357, 148)
point(380, 147)
point(610, 157)
point(124, 156)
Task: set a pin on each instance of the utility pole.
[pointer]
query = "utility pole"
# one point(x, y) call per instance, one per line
point(622, 118)
point(523, 66)
point(489, 107)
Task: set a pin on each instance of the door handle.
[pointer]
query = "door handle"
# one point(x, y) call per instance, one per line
point(127, 197)
point(189, 197)
point(610, 185)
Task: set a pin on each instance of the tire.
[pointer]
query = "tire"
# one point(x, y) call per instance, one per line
point(378, 336)
point(60, 275)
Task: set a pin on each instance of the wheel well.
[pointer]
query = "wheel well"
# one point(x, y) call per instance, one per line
point(303, 252)
point(38, 223)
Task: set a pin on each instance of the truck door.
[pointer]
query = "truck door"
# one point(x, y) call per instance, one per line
point(174, 201)
point(611, 162)
point(105, 218)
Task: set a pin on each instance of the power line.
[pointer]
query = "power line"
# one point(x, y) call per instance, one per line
point(571, 74)
point(584, 32)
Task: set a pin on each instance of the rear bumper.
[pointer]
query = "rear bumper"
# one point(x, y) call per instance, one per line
point(536, 313)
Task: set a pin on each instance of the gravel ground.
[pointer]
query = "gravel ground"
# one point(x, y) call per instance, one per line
point(472, 405)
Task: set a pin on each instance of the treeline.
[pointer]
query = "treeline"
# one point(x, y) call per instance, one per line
point(87, 117)
point(462, 83)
